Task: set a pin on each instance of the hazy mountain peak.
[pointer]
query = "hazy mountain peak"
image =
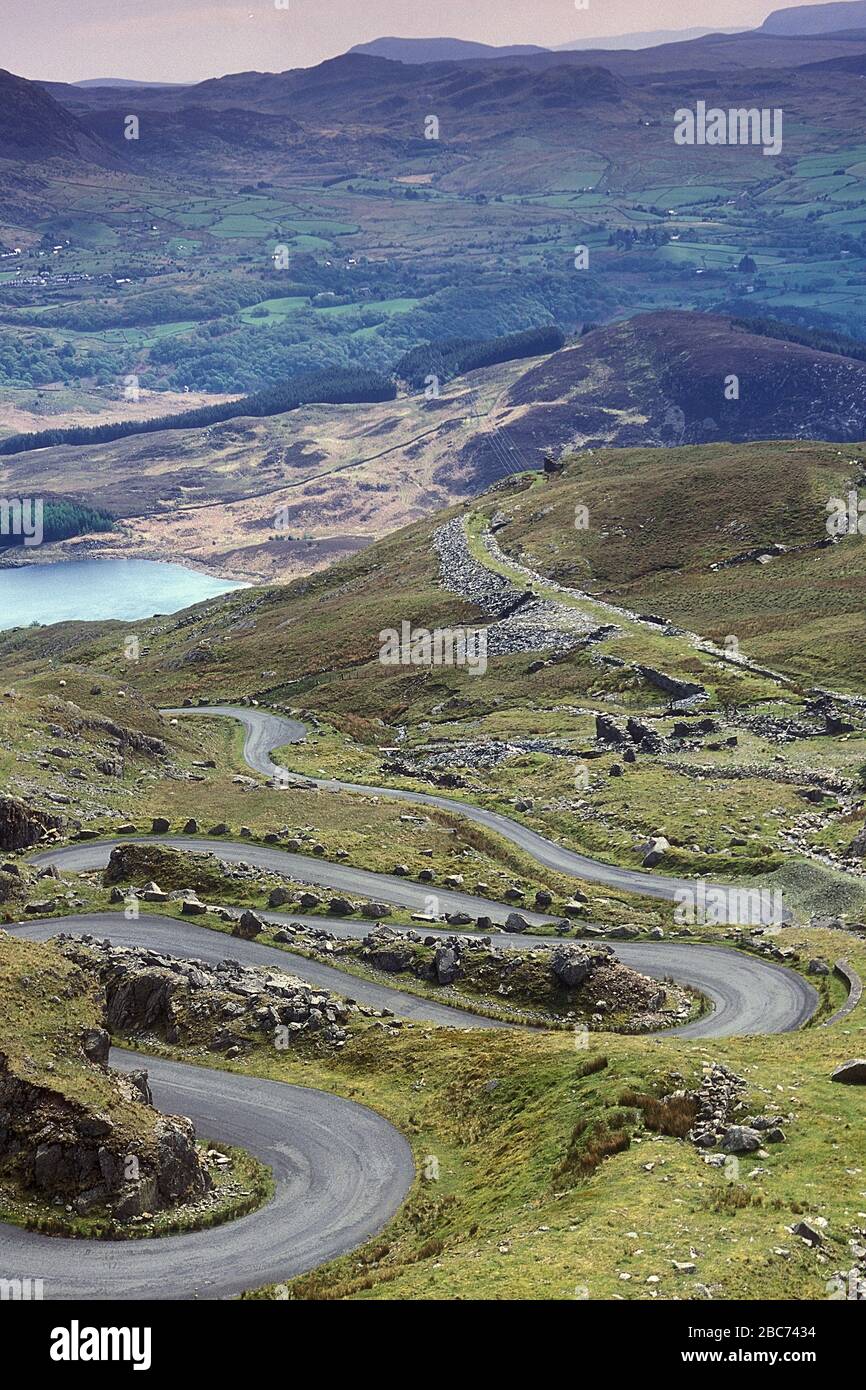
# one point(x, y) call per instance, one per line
point(440, 50)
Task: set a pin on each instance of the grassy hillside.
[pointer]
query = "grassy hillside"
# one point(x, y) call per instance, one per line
point(659, 521)
point(545, 1169)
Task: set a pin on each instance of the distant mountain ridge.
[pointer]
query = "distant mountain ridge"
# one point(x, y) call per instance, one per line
point(450, 50)
point(441, 50)
point(831, 18)
point(644, 38)
point(121, 82)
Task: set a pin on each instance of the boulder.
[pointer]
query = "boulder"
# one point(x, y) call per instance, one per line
point(516, 922)
point(191, 826)
point(221, 829)
point(248, 926)
point(341, 907)
point(159, 825)
point(851, 1073)
point(375, 910)
point(807, 1233)
point(278, 897)
point(446, 965)
point(570, 965)
point(95, 1044)
point(573, 908)
point(152, 893)
point(740, 1139)
point(393, 959)
point(654, 851)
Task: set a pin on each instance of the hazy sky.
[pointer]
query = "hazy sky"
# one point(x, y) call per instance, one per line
point(187, 40)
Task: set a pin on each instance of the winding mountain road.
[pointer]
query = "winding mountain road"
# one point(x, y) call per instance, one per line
point(265, 731)
point(747, 994)
point(341, 1171)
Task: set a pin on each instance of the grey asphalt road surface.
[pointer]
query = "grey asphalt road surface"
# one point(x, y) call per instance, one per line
point(747, 994)
point(303, 868)
point(265, 731)
point(341, 1172)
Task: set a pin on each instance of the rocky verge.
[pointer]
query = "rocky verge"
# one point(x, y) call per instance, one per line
point(224, 1008)
point(72, 1130)
point(22, 826)
point(577, 983)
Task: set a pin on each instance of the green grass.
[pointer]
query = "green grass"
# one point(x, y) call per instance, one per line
point(532, 1201)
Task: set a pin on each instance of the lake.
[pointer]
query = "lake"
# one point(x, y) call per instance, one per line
point(98, 589)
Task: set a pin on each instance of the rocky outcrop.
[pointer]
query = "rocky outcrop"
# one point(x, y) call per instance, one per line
point(569, 980)
point(138, 864)
point(78, 1156)
point(22, 826)
point(248, 926)
point(222, 1007)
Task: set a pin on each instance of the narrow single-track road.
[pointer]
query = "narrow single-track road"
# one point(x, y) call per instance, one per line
point(265, 731)
point(341, 1171)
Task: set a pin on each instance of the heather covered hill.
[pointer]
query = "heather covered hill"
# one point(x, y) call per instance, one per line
point(721, 539)
point(666, 378)
point(275, 497)
point(36, 127)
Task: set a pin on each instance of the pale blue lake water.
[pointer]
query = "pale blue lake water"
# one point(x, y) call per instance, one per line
point(96, 589)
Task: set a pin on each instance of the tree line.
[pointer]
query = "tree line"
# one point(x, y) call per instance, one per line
point(331, 388)
point(454, 356)
point(62, 518)
point(335, 386)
